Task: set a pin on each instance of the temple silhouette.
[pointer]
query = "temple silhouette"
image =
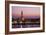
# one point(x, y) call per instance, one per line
point(21, 15)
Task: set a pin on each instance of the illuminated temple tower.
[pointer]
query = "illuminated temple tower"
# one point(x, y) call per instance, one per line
point(21, 15)
point(22, 18)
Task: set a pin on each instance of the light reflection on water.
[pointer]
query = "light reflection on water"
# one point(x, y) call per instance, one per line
point(25, 25)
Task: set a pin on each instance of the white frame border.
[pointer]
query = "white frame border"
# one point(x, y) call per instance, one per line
point(25, 29)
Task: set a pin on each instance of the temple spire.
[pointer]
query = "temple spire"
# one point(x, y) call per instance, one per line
point(22, 18)
point(21, 14)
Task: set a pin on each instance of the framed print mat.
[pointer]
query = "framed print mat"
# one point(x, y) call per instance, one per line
point(24, 17)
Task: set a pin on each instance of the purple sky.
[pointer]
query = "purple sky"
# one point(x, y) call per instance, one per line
point(27, 11)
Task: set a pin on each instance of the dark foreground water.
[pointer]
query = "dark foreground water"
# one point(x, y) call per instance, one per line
point(25, 25)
